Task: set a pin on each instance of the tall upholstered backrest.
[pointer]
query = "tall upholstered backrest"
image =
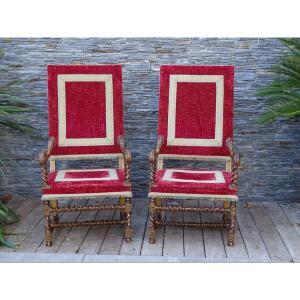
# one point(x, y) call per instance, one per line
point(196, 109)
point(85, 109)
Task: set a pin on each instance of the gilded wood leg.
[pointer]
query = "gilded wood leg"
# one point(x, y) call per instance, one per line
point(232, 223)
point(48, 229)
point(158, 203)
point(55, 216)
point(152, 228)
point(128, 228)
point(122, 212)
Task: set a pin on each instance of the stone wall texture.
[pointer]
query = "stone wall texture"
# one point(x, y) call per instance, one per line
point(270, 154)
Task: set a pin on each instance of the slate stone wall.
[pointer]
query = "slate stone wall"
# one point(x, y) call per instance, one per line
point(271, 154)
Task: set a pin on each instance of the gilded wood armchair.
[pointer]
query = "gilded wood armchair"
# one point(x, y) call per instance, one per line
point(195, 123)
point(85, 123)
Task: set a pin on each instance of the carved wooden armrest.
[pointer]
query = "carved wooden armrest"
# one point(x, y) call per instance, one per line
point(235, 163)
point(153, 159)
point(43, 158)
point(127, 159)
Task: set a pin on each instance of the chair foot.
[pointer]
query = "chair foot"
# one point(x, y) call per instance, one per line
point(152, 240)
point(152, 228)
point(48, 240)
point(48, 229)
point(232, 224)
point(128, 229)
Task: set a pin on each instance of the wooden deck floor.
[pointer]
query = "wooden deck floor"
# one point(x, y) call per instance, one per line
point(266, 232)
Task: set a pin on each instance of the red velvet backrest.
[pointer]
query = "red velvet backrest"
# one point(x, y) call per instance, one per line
point(196, 109)
point(85, 108)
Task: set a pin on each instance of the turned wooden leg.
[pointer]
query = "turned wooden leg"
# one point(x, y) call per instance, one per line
point(226, 218)
point(232, 223)
point(158, 213)
point(55, 216)
point(128, 211)
point(152, 228)
point(48, 229)
point(122, 211)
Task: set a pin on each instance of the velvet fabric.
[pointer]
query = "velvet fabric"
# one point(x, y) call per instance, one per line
point(85, 108)
point(85, 186)
point(195, 109)
point(166, 186)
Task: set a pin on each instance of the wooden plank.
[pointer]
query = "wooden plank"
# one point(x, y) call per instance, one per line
point(34, 240)
point(173, 240)
point(254, 244)
point(293, 214)
point(213, 240)
point(192, 237)
point(285, 228)
point(238, 251)
point(139, 219)
point(113, 240)
point(23, 211)
point(60, 234)
point(274, 244)
point(16, 202)
point(95, 236)
point(14, 232)
point(29, 222)
point(76, 235)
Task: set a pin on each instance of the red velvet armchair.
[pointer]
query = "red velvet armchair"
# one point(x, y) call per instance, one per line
point(195, 123)
point(85, 123)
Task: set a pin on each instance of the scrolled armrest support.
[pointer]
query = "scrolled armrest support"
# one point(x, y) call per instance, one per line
point(43, 158)
point(153, 159)
point(235, 164)
point(127, 158)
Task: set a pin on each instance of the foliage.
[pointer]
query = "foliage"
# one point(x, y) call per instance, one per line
point(7, 216)
point(283, 94)
point(10, 106)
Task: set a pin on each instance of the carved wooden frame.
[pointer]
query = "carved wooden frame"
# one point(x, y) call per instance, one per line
point(52, 210)
point(229, 205)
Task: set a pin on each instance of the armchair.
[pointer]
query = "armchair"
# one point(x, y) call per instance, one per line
point(195, 123)
point(85, 123)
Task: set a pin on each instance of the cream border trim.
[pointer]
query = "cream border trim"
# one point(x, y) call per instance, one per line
point(88, 195)
point(218, 140)
point(193, 196)
point(194, 157)
point(61, 82)
point(219, 178)
point(85, 156)
point(60, 176)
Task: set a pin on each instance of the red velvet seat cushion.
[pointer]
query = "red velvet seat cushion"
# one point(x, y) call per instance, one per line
point(188, 181)
point(86, 181)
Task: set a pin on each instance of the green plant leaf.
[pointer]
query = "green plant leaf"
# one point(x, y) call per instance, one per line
point(283, 94)
point(4, 241)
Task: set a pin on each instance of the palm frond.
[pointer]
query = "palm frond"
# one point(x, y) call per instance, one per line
point(283, 94)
